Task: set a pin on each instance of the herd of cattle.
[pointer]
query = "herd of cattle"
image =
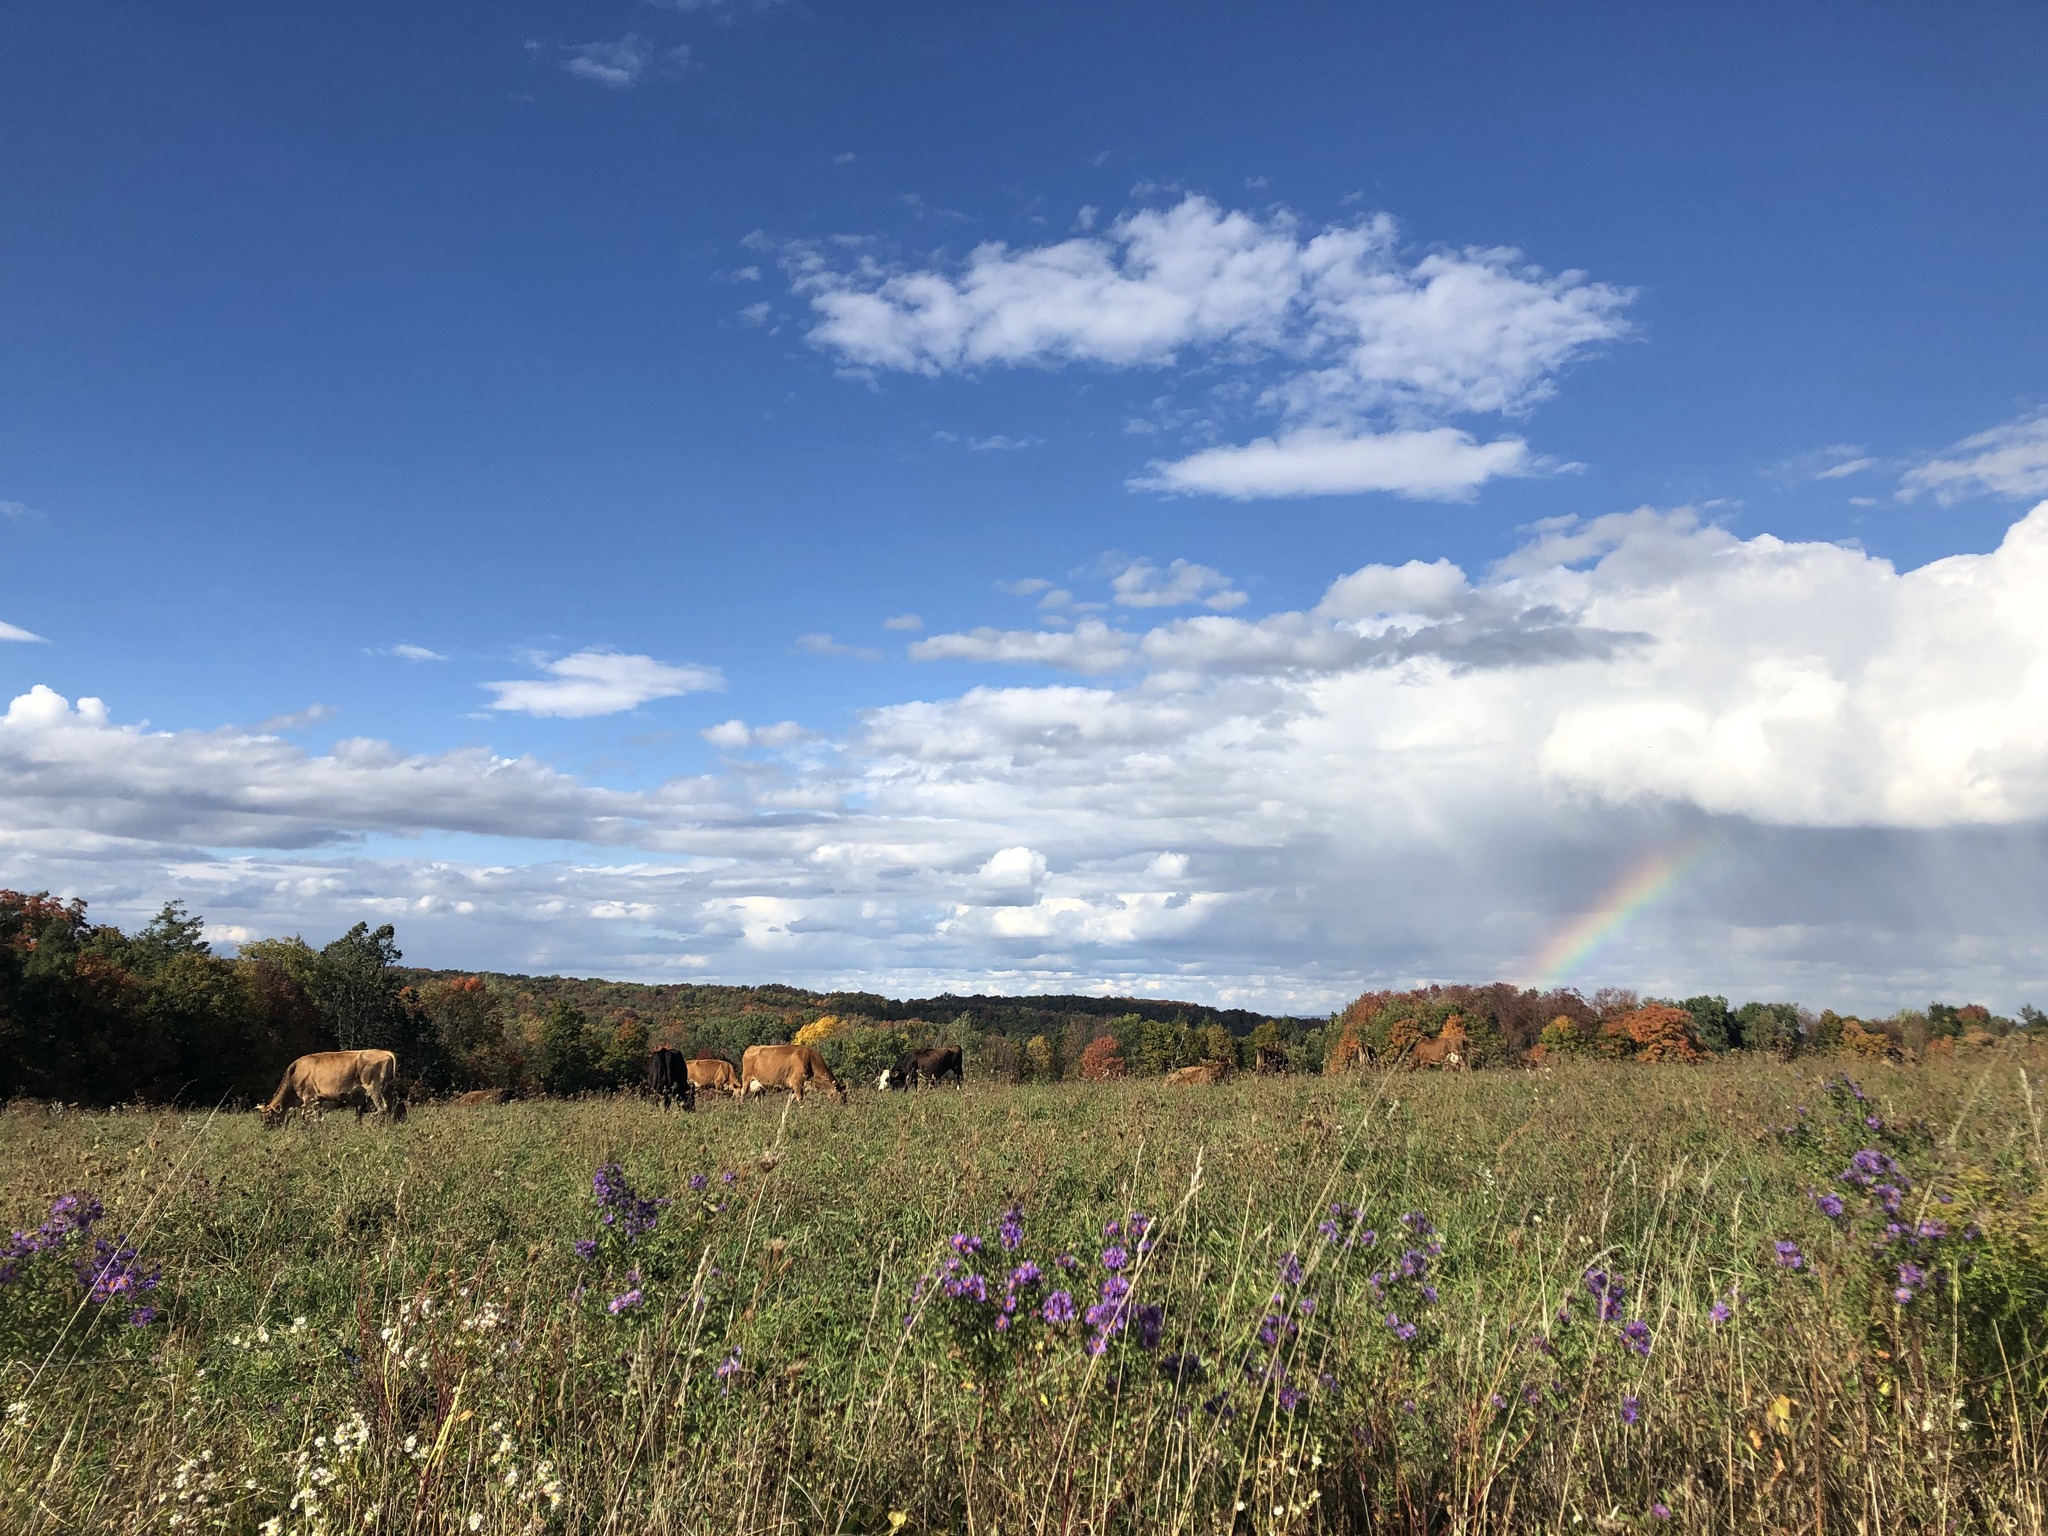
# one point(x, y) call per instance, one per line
point(367, 1080)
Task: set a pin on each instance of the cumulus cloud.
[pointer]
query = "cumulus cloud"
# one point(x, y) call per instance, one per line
point(614, 65)
point(1426, 774)
point(1361, 349)
point(1141, 584)
point(600, 683)
point(2009, 460)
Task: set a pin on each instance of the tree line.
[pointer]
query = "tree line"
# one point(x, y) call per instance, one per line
point(92, 1015)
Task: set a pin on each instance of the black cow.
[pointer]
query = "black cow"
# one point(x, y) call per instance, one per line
point(668, 1078)
point(940, 1061)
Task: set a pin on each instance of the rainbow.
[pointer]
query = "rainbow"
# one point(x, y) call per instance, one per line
point(1635, 893)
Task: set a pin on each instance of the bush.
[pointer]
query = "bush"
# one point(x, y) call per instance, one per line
point(1101, 1061)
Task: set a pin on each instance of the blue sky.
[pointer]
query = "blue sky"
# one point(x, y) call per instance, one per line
point(646, 361)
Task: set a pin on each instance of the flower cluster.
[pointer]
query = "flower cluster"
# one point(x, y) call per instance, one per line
point(621, 1207)
point(982, 1303)
point(1611, 1297)
point(1909, 1250)
point(112, 1272)
point(1406, 1282)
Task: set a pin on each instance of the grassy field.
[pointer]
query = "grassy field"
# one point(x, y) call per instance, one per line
point(1601, 1297)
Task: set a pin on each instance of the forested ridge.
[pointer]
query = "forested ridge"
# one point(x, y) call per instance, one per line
point(90, 1014)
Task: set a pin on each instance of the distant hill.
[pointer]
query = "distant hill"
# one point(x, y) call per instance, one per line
point(687, 1010)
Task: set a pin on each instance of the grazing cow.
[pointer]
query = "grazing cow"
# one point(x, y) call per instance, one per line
point(714, 1074)
point(940, 1061)
point(329, 1079)
point(1272, 1058)
point(790, 1067)
point(668, 1079)
point(1202, 1074)
point(484, 1096)
point(1447, 1050)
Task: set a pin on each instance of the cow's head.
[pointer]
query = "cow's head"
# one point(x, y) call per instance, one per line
point(271, 1115)
point(396, 1107)
point(882, 1082)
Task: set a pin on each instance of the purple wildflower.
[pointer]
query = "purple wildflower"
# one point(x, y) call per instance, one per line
point(1610, 1292)
point(1829, 1206)
point(1151, 1323)
point(965, 1243)
point(1720, 1312)
point(1058, 1308)
point(1114, 1258)
point(1026, 1273)
point(1068, 1262)
point(625, 1303)
point(726, 1369)
point(1631, 1410)
point(1291, 1272)
point(700, 1181)
point(1012, 1233)
point(142, 1317)
point(1290, 1398)
point(1661, 1510)
point(586, 1247)
point(1635, 1335)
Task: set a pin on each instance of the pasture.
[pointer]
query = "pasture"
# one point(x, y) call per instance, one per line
point(1602, 1297)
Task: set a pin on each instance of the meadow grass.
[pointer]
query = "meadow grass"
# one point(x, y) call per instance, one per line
point(389, 1327)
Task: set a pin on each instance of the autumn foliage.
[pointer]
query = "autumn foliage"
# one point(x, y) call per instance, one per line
point(1101, 1061)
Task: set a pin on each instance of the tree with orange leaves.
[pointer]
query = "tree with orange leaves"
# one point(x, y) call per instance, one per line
point(1101, 1061)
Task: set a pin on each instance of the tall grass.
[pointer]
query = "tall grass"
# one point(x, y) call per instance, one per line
point(388, 1328)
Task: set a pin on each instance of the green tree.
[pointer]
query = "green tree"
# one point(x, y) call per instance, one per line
point(1714, 1022)
point(568, 1056)
point(1769, 1027)
point(356, 990)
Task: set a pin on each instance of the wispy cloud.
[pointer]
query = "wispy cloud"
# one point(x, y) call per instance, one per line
point(19, 511)
point(824, 645)
point(594, 682)
point(2009, 460)
point(1002, 443)
point(1358, 349)
point(614, 65)
point(16, 633)
point(299, 720)
point(405, 652)
point(903, 621)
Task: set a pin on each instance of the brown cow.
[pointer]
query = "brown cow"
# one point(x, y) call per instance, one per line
point(484, 1096)
point(714, 1074)
point(1206, 1073)
point(329, 1079)
point(1447, 1050)
point(790, 1067)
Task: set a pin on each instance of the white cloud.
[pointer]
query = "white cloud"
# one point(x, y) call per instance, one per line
point(299, 720)
point(1428, 774)
point(615, 65)
point(17, 633)
point(19, 510)
point(1142, 584)
point(600, 683)
point(735, 735)
point(1090, 646)
point(825, 645)
point(1027, 586)
point(999, 443)
point(1440, 464)
point(903, 621)
point(415, 653)
point(1363, 350)
point(2009, 460)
